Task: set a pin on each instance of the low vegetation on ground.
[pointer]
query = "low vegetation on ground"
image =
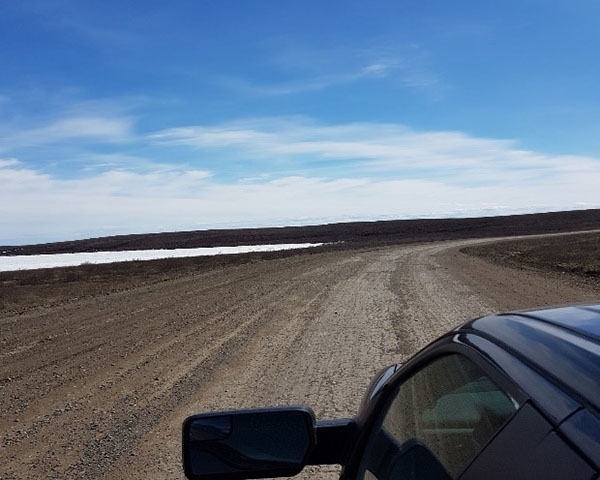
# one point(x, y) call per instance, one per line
point(573, 254)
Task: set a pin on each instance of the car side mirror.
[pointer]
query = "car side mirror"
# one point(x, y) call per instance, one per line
point(256, 443)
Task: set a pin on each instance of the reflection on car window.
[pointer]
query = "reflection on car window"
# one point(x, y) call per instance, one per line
point(439, 419)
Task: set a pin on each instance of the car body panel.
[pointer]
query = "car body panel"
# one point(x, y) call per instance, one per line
point(583, 429)
point(581, 319)
point(528, 448)
point(569, 360)
point(550, 399)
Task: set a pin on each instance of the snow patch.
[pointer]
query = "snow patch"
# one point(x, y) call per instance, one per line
point(31, 262)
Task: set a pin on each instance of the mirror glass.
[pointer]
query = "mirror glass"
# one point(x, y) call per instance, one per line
point(270, 442)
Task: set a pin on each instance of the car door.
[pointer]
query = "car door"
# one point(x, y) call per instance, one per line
point(529, 447)
point(436, 422)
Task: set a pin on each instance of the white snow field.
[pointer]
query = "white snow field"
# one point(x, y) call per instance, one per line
point(31, 262)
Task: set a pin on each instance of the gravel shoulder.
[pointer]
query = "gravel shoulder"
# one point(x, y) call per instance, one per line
point(98, 387)
point(576, 255)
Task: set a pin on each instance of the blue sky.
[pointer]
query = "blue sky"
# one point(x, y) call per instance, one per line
point(119, 117)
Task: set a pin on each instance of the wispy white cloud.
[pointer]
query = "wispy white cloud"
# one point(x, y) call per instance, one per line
point(378, 148)
point(8, 162)
point(36, 117)
point(35, 206)
point(101, 162)
point(18, 180)
point(310, 83)
point(106, 129)
point(316, 70)
point(63, 17)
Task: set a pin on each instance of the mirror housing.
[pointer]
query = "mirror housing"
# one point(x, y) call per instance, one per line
point(273, 442)
point(253, 443)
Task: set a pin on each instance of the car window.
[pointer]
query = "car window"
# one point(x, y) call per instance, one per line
point(436, 423)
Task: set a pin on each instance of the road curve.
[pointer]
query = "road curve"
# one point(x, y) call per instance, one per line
point(98, 388)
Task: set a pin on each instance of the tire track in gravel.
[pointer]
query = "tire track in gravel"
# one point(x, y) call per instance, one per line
point(85, 428)
point(108, 380)
point(439, 288)
point(310, 357)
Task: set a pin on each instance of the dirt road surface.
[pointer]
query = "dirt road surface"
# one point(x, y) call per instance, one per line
point(98, 388)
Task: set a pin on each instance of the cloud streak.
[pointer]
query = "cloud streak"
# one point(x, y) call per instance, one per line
point(8, 162)
point(405, 67)
point(37, 207)
point(105, 129)
point(375, 149)
point(318, 82)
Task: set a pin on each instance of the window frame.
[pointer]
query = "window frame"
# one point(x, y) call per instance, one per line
point(448, 344)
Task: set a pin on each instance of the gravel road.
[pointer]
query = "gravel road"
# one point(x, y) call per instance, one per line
point(98, 388)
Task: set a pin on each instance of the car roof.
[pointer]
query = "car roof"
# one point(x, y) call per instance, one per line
point(561, 343)
point(581, 319)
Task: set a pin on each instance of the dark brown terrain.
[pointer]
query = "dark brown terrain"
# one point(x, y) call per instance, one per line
point(353, 234)
point(575, 255)
point(99, 364)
